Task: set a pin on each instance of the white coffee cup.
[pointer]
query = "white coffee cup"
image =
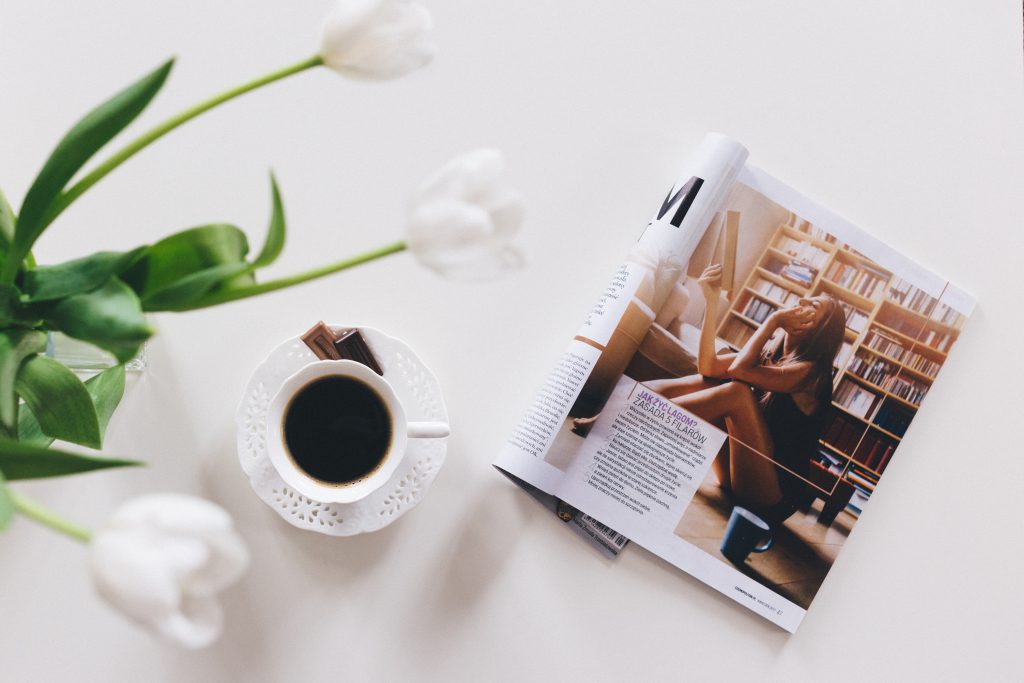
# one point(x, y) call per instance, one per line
point(401, 431)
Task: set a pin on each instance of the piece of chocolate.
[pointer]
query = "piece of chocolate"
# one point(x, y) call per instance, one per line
point(320, 340)
point(351, 345)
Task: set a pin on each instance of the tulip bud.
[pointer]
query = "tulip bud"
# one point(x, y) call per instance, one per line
point(377, 39)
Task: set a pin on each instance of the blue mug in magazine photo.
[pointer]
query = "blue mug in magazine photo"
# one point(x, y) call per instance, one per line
point(745, 534)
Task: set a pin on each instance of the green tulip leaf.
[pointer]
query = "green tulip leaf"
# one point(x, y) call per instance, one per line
point(25, 461)
point(81, 275)
point(8, 293)
point(6, 504)
point(274, 243)
point(15, 347)
point(191, 288)
point(9, 304)
point(29, 431)
point(79, 145)
point(109, 317)
point(7, 222)
point(60, 402)
point(185, 253)
point(178, 271)
point(106, 390)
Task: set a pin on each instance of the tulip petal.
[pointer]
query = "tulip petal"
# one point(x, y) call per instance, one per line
point(199, 623)
point(377, 39)
point(343, 25)
point(463, 219)
point(171, 512)
point(132, 577)
point(507, 214)
point(470, 177)
point(161, 560)
point(227, 562)
point(447, 232)
point(489, 267)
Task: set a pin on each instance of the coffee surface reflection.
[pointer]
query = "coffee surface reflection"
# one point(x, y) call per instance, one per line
point(337, 430)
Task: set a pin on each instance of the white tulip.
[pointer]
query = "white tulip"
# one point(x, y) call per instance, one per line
point(377, 39)
point(161, 559)
point(463, 219)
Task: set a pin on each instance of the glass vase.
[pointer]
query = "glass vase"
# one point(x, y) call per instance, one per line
point(84, 358)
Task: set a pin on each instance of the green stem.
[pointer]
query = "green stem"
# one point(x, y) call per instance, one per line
point(154, 134)
point(47, 517)
point(262, 288)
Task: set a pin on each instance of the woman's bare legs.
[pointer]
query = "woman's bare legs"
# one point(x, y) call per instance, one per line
point(751, 475)
point(669, 388)
point(683, 386)
point(680, 386)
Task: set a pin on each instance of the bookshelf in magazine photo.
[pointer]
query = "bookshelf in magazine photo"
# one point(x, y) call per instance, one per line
point(897, 338)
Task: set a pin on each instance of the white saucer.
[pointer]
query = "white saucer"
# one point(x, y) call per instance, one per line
point(420, 394)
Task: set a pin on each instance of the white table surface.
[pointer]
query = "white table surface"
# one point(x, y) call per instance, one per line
point(904, 117)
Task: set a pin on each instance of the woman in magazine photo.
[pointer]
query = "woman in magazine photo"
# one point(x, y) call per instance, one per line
point(772, 398)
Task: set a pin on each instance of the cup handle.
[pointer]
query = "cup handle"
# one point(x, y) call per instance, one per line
point(767, 544)
point(427, 430)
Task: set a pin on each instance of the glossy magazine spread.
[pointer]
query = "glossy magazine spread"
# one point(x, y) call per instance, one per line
point(734, 397)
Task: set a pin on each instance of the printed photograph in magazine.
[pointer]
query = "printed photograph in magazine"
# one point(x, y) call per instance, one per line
point(743, 382)
point(811, 357)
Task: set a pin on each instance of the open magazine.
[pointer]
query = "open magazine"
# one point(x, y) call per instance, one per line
point(734, 397)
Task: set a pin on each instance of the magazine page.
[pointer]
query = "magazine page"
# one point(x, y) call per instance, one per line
point(814, 345)
point(649, 281)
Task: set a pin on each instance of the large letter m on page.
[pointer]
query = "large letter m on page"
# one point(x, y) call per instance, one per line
point(684, 197)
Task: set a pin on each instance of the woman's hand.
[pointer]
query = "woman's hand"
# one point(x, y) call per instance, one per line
point(710, 281)
point(795, 320)
point(708, 362)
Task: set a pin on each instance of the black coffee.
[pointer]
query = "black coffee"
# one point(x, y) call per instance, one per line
point(337, 429)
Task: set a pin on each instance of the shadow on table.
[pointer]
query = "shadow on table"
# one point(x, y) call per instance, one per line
point(494, 519)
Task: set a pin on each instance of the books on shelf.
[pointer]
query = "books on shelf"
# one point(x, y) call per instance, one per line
point(843, 433)
point(908, 389)
point(793, 270)
point(843, 357)
point(947, 316)
point(887, 376)
point(857, 478)
point(893, 419)
point(915, 299)
point(862, 280)
point(856, 319)
point(940, 340)
point(864, 483)
point(869, 478)
point(800, 273)
point(758, 310)
point(892, 348)
point(874, 452)
point(855, 399)
point(830, 461)
point(803, 252)
point(806, 227)
point(775, 292)
point(858, 500)
point(873, 370)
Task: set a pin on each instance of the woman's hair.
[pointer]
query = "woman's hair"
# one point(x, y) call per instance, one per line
point(819, 347)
